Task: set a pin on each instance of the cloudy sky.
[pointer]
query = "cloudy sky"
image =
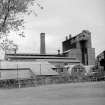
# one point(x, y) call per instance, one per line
point(61, 18)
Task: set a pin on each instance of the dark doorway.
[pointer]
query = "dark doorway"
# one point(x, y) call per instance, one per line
point(84, 52)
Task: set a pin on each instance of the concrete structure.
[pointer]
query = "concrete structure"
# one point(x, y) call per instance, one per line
point(100, 61)
point(42, 44)
point(80, 47)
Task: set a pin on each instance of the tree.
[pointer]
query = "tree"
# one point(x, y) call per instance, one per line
point(11, 12)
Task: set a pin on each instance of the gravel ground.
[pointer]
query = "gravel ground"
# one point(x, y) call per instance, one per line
point(60, 94)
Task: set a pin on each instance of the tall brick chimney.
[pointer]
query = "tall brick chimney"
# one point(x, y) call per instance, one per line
point(42, 44)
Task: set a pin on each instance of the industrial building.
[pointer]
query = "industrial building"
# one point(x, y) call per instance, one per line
point(55, 59)
point(100, 61)
point(76, 50)
point(80, 46)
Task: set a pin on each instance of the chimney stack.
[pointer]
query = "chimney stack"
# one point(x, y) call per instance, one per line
point(69, 36)
point(42, 44)
point(66, 37)
point(58, 52)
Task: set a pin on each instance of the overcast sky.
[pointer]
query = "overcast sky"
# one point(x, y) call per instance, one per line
point(61, 18)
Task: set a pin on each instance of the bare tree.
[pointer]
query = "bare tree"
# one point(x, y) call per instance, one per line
point(11, 12)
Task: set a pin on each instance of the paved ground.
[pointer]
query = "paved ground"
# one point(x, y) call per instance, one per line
point(62, 94)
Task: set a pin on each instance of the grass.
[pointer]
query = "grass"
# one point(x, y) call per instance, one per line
point(59, 94)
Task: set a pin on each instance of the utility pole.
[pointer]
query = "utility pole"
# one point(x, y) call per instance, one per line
point(18, 76)
point(40, 69)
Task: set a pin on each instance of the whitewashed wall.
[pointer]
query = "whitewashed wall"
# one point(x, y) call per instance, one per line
point(14, 74)
point(37, 68)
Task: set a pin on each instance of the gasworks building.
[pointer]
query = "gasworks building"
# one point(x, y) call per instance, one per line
point(80, 46)
point(76, 50)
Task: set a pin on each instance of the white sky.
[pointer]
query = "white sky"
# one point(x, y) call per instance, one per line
point(63, 17)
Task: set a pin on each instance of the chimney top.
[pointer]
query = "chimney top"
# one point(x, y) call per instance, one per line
point(66, 37)
point(42, 33)
point(70, 36)
point(58, 52)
